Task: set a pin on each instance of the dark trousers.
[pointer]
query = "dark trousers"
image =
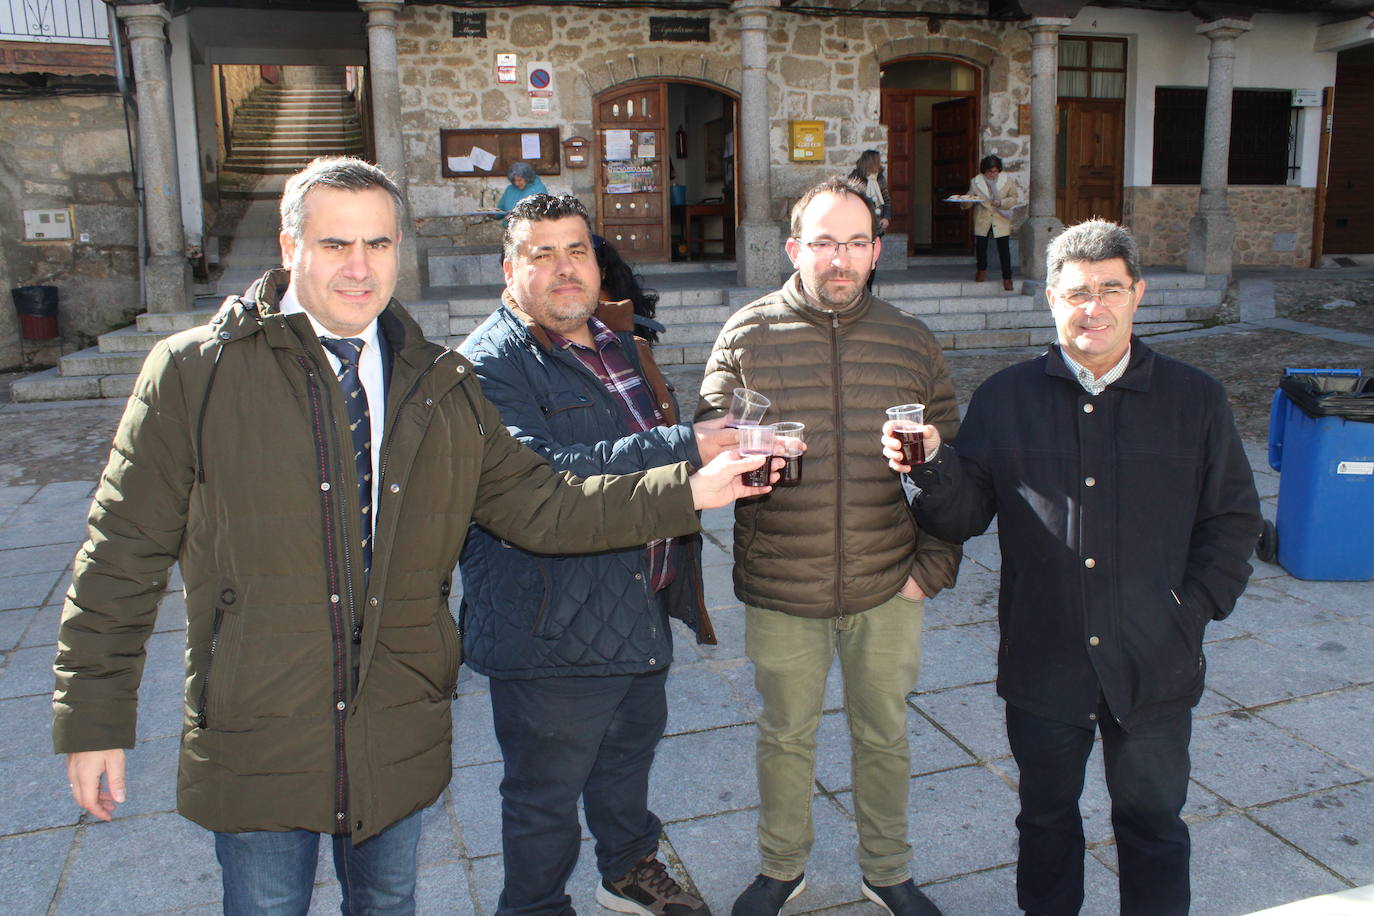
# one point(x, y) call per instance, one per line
point(1147, 778)
point(565, 737)
point(980, 248)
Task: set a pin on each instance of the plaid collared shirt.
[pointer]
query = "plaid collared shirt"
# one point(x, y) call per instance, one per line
point(610, 365)
point(1095, 386)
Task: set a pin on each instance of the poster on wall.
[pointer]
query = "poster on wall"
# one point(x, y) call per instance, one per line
point(506, 69)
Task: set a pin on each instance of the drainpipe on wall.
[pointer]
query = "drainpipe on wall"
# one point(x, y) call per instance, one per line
point(130, 103)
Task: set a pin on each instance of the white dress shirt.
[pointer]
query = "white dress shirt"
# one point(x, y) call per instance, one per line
point(369, 373)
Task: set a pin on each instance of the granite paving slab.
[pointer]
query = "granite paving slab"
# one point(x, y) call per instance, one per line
point(27, 732)
point(13, 625)
point(31, 867)
point(975, 716)
point(956, 656)
point(43, 629)
point(1353, 599)
point(931, 750)
point(27, 673)
point(28, 590)
point(162, 861)
point(474, 737)
point(1262, 608)
point(704, 773)
point(1336, 828)
point(972, 600)
point(1343, 649)
point(1238, 867)
point(1333, 723)
point(961, 821)
point(1247, 761)
point(700, 698)
point(20, 561)
point(1253, 672)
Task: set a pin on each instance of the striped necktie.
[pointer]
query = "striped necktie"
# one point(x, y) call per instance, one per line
point(349, 351)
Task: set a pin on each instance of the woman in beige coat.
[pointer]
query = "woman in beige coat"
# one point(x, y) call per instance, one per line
point(996, 195)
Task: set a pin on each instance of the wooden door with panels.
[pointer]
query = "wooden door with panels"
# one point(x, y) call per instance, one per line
point(953, 127)
point(1091, 150)
point(897, 115)
point(630, 125)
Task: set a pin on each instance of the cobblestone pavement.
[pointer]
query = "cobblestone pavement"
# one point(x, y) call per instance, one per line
point(1281, 802)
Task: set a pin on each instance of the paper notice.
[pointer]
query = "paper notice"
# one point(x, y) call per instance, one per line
point(529, 146)
point(482, 159)
point(618, 144)
point(460, 163)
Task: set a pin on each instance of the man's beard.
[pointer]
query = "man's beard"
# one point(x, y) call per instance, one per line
point(824, 296)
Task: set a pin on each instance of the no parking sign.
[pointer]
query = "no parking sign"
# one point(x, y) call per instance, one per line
point(539, 79)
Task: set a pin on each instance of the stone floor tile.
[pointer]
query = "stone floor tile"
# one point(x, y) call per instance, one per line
point(474, 737)
point(37, 794)
point(1342, 649)
point(739, 674)
point(721, 855)
point(1262, 608)
point(728, 622)
point(13, 626)
point(29, 590)
point(21, 561)
point(44, 628)
point(985, 551)
point(1250, 762)
point(1327, 722)
point(931, 750)
point(13, 495)
point(1238, 867)
point(476, 792)
point(171, 612)
point(30, 868)
point(1349, 598)
point(719, 589)
point(993, 892)
point(151, 770)
point(65, 494)
point(957, 656)
point(961, 820)
point(721, 519)
point(1213, 704)
point(37, 526)
point(154, 863)
point(972, 600)
point(27, 672)
point(1253, 672)
point(700, 698)
point(1336, 828)
point(27, 731)
point(704, 773)
point(975, 716)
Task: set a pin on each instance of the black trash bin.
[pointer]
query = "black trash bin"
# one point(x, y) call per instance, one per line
point(37, 307)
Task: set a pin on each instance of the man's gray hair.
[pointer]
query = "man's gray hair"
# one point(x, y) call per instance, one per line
point(343, 173)
point(1091, 241)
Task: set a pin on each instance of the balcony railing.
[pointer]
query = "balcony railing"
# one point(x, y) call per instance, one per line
point(66, 21)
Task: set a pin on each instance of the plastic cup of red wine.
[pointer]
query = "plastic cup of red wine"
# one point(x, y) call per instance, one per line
point(907, 421)
point(791, 435)
point(757, 440)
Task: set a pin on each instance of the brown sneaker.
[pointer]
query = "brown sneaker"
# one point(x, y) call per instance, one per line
point(648, 890)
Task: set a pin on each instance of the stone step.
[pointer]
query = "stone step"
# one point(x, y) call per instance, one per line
point(166, 323)
point(267, 148)
point(128, 340)
point(50, 386)
point(307, 134)
point(93, 362)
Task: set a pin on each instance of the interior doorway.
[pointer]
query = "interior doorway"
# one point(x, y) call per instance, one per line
point(930, 109)
point(1349, 219)
point(667, 173)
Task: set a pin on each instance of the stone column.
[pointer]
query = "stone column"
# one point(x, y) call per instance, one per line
point(1042, 225)
point(1212, 232)
point(167, 273)
point(759, 239)
point(386, 128)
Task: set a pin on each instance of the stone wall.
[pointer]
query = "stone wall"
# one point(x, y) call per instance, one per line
point(69, 152)
point(239, 81)
point(821, 69)
point(1273, 224)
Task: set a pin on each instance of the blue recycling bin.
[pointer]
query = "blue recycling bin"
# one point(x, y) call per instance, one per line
point(1321, 441)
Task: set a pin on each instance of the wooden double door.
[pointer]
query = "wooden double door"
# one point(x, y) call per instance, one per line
point(952, 162)
point(631, 131)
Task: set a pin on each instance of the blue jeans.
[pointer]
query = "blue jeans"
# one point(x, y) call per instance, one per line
point(273, 872)
point(1147, 778)
point(565, 737)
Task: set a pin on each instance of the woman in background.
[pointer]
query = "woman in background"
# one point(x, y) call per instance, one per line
point(996, 195)
point(869, 172)
point(619, 282)
point(523, 183)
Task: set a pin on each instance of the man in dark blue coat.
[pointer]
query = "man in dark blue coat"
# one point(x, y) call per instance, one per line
point(1126, 516)
point(578, 647)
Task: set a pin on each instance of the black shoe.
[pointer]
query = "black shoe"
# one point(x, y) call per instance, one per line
point(901, 899)
point(648, 890)
point(766, 896)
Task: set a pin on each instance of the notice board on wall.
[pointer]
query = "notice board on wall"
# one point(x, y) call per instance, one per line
point(485, 153)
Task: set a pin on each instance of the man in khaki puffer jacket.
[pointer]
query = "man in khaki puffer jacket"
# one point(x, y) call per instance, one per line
point(321, 654)
point(834, 564)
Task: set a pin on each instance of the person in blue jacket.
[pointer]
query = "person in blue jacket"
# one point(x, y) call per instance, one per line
point(523, 183)
point(577, 649)
point(1126, 514)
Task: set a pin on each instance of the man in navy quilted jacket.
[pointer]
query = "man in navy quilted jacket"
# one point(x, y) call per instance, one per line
point(577, 648)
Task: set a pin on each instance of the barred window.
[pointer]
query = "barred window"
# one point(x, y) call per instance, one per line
point(1261, 136)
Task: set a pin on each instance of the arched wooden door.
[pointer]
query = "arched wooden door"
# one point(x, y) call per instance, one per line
point(630, 126)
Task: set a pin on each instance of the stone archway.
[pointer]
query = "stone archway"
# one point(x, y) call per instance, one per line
point(599, 76)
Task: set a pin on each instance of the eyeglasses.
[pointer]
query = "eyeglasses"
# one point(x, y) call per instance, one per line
point(826, 248)
point(1111, 297)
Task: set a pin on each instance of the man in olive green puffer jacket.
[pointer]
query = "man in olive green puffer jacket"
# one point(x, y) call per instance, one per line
point(317, 505)
point(834, 565)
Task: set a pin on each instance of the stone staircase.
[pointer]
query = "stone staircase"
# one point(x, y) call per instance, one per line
point(693, 304)
point(278, 129)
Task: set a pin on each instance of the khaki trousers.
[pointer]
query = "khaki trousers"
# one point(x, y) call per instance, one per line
point(880, 657)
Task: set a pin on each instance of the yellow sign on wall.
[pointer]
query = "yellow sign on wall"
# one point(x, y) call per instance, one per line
point(807, 141)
